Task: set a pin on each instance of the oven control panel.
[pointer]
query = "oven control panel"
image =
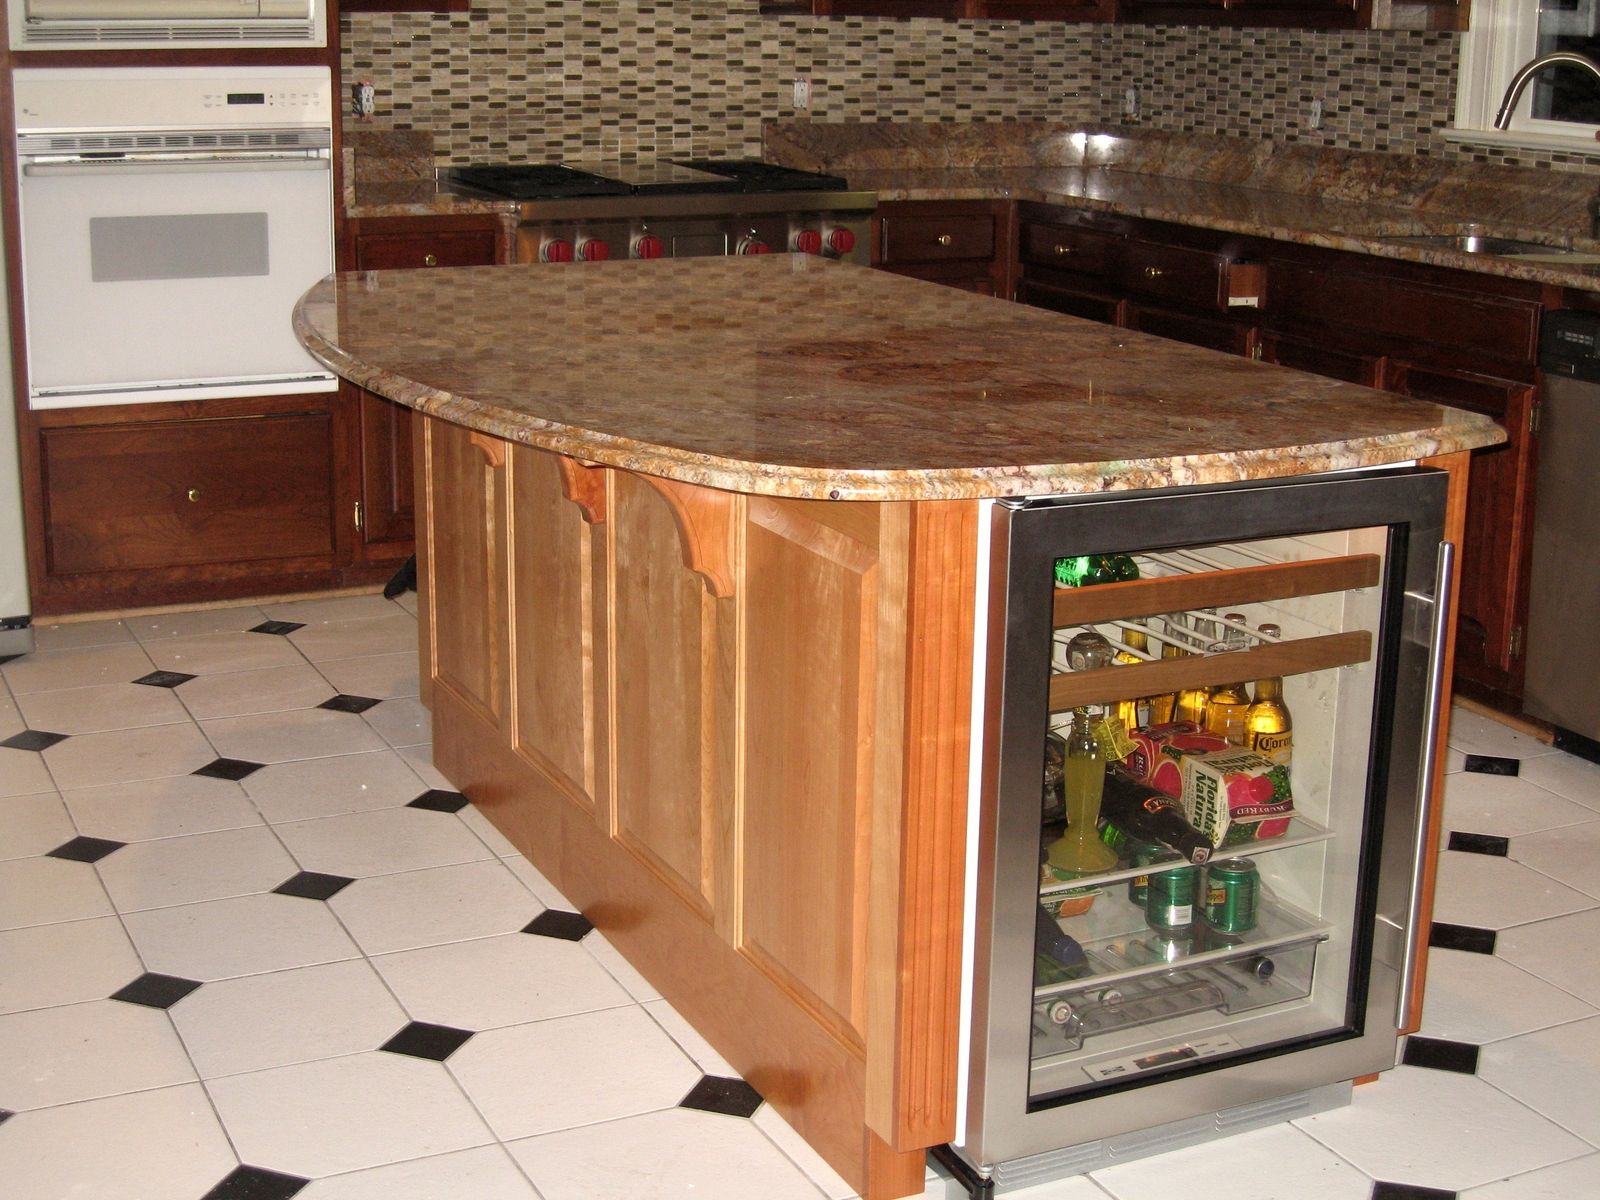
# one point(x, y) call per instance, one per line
point(59, 99)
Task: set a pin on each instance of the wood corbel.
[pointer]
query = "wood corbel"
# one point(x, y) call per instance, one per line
point(705, 518)
point(585, 486)
point(492, 448)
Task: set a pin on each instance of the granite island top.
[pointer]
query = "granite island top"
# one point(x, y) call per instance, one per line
point(788, 375)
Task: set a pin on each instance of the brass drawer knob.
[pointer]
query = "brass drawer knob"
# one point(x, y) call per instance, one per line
point(430, 260)
point(944, 239)
point(1063, 251)
point(1153, 272)
point(194, 495)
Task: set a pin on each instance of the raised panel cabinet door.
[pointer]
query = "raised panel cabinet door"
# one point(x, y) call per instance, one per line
point(671, 699)
point(465, 634)
point(1305, 354)
point(388, 496)
point(179, 493)
point(1183, 327)
point(1495, 550)
point(557, 609)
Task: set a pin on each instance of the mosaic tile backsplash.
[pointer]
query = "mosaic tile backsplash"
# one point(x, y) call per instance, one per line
point(546, 79)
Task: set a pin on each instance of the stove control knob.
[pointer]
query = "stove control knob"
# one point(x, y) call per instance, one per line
point(751, 244)
point(806, 241)
point(647, 245)
point(555, 250)
point(592, 249)
point(841, 241)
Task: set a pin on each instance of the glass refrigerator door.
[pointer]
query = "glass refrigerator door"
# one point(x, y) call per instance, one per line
point(1186, 873)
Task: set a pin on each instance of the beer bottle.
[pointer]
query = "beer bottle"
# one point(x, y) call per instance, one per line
point(1268, 726)
point(1225, 715)
point(1193, 704)
point(1127, 711)
point(1073, 571)
point(1161, 707)
point(1152, 816)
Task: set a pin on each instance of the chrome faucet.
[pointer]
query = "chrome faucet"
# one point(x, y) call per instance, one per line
point(1527, 71)
point(1519, 83)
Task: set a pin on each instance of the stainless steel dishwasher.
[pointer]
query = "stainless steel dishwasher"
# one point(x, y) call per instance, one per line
point(1563, 664)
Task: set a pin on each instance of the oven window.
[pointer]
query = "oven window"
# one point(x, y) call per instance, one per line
point(177, 246)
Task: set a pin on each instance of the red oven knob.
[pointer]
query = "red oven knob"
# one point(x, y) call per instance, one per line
point(751, 244)
point(555, 250)
point(648, 245)
point(592, 249)
point(806, 241)
point(841, 241)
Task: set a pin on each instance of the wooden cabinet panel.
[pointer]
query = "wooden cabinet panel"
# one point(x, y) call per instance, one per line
point(1069, 248)
point(465, 474)
point(557, 611)
point(388, 496)
point(670, 704)
point(177, 493)
point(956, 275)
point(1493, 578)
point(1304, 354)
point(928, 239)
point(1209, 332)
point(1088, 304)
point(442, 248)
point(1187, 276)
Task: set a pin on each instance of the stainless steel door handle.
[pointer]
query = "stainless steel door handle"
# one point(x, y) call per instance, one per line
point(1444, 577)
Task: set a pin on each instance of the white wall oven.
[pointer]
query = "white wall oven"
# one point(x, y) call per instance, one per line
point(170, 219)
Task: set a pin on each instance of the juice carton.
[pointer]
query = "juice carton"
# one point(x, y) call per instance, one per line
point(1235, 796)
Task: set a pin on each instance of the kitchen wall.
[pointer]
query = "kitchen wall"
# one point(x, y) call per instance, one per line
point(540, 79)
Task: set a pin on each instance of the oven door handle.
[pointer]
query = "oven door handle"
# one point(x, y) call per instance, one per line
point(129, 166)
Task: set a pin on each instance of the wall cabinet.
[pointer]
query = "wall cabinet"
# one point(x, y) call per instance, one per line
point(1461, 339)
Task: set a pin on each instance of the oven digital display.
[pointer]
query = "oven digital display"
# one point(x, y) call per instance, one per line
point(247, 97)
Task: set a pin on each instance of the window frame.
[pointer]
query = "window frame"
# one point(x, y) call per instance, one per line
point(1503, 36)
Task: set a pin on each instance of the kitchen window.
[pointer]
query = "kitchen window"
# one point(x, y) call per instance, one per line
point(1561, 106)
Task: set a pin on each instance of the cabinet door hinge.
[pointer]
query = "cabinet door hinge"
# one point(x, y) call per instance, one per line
point(360, 516)
point(1514, 647)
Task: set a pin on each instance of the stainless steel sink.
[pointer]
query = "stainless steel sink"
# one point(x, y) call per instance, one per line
point(1477, 243)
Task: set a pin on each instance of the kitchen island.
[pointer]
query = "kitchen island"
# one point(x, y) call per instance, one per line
point(699, 577)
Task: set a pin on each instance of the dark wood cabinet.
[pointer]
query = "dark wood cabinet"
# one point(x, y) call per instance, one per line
point(964, 244)
point(385, 516)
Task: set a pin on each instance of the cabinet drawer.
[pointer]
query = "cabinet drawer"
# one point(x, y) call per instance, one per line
point(919, 239)
point(446, 248)
point(181, 493)
point(1087, 303)
point(1192, 277)
point(1387, 311)
point(1067, 248)
point(1183, 327)
point(1304, 354)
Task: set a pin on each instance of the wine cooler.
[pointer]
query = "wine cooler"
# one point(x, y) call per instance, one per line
point(1193, 920)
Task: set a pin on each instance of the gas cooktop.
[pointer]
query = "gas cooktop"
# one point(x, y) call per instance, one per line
point(551, 181)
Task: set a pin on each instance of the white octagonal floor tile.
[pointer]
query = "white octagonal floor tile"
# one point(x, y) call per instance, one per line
point(30, 825)
point(245, 935)
point(569, 1071)
point(200, 867)
point(1569, 855)
point(1505, 807)
point(126, 755)
point(1554, 1071)
point(52, 670)
point(425, 908)
point(157, 627)
point(1565, 1181)
point(1265, 1164)
point(62, 964)
point(42, 891)
point(359, 638)
point(1560, 951)
point(161, 808)
point(382, 842)
point(1488, 892)
point(98, 709)
point(485, 1173)
point(1566, 775)
point(381, 676)
point(330, 787)
point(23, 773)
point(1439, 1129)
point(246, 693)
point(84, 1051)
point(343, 1114)
point(683, 1154)
point(211, 653)
point(1480, 998)
point(164, 1143)
point(283, 736)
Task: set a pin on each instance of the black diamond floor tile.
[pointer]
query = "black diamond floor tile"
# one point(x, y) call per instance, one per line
point(720, 1094)
point(439, 800)
point(1479, 843)
point(555, 923)
point(280, 628)
point(1441, 1055)
point(8, 658)
point(85, 849)
point(5, 1113)
point(228, 768)
point(156, 991)
point(256, 1183)
point(1383, 1190)
point(349, 704)
point(33, 739)
point(313, 885)
point(1461, 937)
point(422, 1040)
point(166, 679)
point(1492, 764)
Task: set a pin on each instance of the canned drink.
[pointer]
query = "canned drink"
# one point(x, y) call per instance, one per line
point(1170, 898)
point(1143, 855)
point(1233, 893)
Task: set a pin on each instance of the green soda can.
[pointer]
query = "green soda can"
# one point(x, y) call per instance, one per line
point(1143, 855)
point(1169, 901)
point(1233, 891)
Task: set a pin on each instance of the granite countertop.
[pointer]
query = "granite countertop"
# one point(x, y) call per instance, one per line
point(788, 375)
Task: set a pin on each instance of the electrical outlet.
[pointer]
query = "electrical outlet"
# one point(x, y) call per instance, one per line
point(1316, 112)
point(1130, 103)
point(802, 93)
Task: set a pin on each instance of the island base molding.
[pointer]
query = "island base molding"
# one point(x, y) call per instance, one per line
point(752, 779)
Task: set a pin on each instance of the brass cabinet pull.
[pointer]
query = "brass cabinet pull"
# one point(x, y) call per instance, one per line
point(1062, 251)
point(944, 239)
point(1153, 272)
point(430, 260)
point(194, 495)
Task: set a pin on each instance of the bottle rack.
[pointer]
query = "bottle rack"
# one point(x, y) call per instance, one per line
point(1195, 585)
